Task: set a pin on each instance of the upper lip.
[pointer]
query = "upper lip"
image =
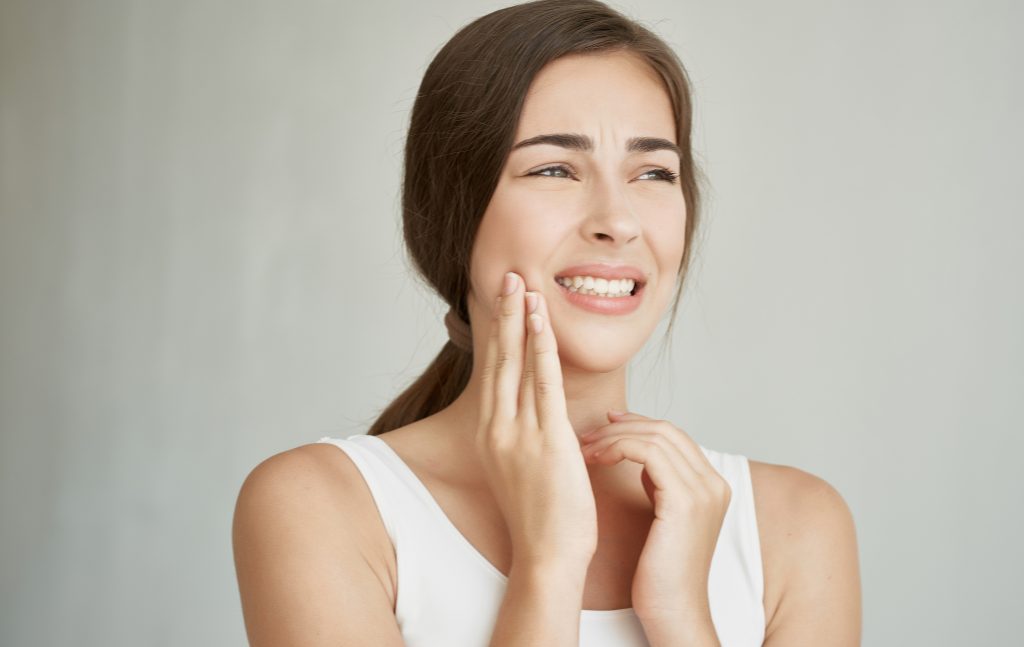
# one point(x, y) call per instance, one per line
point(605, 271)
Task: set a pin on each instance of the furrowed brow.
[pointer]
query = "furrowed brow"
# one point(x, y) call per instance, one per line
point(577, 142)
point(571, 141)
point(649, 144)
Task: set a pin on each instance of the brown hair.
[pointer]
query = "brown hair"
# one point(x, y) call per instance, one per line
point(461, 130)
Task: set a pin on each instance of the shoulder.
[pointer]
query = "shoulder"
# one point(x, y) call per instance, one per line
point(810, 555)
point(790, 493)
point(297, 480)
point(299, 496)
point(304, 572)
point(303, 513)
point(314, 488)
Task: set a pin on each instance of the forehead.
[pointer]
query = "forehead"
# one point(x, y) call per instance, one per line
point(618, 94)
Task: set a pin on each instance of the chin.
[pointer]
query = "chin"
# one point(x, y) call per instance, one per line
point(595, 357)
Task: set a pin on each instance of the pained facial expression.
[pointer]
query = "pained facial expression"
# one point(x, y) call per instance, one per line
point(557, 207)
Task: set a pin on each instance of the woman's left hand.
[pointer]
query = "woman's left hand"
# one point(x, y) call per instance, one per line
point(690, 500)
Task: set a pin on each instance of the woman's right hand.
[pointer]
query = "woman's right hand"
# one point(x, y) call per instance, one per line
point(528, 448)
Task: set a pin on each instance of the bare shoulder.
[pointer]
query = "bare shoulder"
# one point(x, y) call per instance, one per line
point(304, 552)
point(299, 483)
point(313, 480)
point(810, 556)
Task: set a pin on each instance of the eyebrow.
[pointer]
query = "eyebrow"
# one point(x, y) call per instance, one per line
point(577, 142)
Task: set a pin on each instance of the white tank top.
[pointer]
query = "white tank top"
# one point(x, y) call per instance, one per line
point(449, 595)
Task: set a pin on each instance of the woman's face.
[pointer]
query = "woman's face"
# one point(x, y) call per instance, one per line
point(557, 206)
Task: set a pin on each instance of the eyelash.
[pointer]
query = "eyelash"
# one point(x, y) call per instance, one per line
point(666, 175)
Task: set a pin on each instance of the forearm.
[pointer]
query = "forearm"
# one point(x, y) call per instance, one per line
point(541, 607)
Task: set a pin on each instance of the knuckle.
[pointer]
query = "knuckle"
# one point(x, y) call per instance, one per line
point(508, 310)
point(488, 442)
point(546, 387)
point(503, 359)
point(493, 436)
point(718, 488)
point(498, 444)
point(663, 444)
point(543, 352)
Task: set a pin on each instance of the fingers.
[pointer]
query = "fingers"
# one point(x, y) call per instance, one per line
point(667, 450)
point(527, 398)
point(522, 374)
point(656, 459)
point(487, 375)
point(508, 360)
point(694, 455)
point(549, 396)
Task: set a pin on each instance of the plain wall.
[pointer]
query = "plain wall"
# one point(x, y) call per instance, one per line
point(201, 266)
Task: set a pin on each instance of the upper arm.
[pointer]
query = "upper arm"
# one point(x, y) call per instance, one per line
point(820, 601)
point(302, 576)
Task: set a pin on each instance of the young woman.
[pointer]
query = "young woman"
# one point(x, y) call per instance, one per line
point(550, 198)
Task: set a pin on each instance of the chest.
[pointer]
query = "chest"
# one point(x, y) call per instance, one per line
point(622, 531)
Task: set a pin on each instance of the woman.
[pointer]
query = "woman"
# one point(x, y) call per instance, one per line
point(550, 197)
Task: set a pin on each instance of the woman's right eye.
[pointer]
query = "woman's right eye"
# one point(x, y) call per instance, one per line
point(557, 167)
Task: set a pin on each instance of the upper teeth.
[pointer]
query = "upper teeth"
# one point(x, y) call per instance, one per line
point(614, 287)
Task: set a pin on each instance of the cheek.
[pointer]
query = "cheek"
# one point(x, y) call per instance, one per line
point(667, 240)
point(523, 227)
point(666, 223)
point(519, 232)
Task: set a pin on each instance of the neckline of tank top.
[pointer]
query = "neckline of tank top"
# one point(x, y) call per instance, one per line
point(453, 529)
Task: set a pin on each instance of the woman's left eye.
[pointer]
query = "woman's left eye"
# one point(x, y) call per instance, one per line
point(662, 173)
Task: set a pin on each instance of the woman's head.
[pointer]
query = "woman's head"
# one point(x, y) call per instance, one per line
point(558, 206)
point(474, 208)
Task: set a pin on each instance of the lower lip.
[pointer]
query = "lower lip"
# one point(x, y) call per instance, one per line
point(603, 305)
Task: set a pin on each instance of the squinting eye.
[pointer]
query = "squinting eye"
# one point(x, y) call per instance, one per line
point(664, 174)
point(551, 168)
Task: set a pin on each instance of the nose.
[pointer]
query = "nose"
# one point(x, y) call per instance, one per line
point(610, 216)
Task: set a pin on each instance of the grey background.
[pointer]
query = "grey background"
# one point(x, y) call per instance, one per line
point(200, 266)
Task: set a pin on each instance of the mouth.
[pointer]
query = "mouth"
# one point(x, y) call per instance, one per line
point(603, 279)
point(601, 298)
point(602, 288)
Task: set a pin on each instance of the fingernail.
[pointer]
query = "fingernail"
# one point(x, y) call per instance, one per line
point(616, 413)
point(531, 301)
point(510, 283)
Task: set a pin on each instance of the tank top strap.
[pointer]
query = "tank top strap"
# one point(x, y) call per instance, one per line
point(736, 582)
point(397, 492)
point(438, 571)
